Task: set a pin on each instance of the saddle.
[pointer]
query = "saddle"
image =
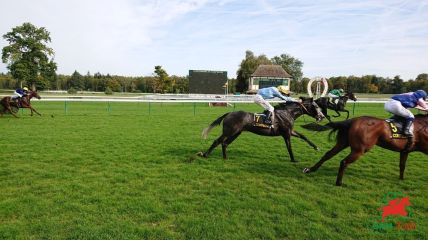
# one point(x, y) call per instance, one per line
point(260, 120)
point(396, 124)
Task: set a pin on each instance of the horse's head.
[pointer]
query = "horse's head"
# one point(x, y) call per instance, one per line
point(34, 94)
point(311, 108)
point(351, 96)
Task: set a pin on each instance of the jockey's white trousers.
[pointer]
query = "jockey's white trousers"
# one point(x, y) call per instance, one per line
point(336, 98)
point(263, 103)
point(395, 107)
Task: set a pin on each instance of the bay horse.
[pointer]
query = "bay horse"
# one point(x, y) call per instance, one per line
point(234, 123)
point(324, 104)
point(362, 133)
point(25, 102)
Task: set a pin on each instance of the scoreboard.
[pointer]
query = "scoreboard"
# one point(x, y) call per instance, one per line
point(207, 82)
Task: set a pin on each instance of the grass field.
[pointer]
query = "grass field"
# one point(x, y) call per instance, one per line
point(128, 171)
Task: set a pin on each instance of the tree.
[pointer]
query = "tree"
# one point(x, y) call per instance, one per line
point(291, 65)
point(27, 56)
point(398, 85)
point(163, 81)
point(247, 67)
point(76, 81)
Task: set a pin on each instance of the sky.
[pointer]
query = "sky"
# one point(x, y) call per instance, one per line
point(131, 37)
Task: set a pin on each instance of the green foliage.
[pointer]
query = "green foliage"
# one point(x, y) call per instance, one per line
point(247, 67)
point(108, 91)
point(71, 91)
point(130, 174)
point(291, 65)
point(76, 81)
point(28, 57)
point(162, 80)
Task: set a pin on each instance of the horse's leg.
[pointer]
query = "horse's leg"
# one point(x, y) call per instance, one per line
point(325, 113)
point(301, 136)
point(403, 159)
point(226, 142)
point(32, 109)
point(352, 157)
point(10, 110)
point(338, 113)
point(347, 113)
point(331, 153)
point(288, 144)
point(214, 145)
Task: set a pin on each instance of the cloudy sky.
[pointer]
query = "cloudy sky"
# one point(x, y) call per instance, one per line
point(130, 37)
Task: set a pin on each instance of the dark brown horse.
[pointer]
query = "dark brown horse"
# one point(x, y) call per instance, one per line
point(362, 133)
point(324, 104)
point(234, 123)
point(25, 102)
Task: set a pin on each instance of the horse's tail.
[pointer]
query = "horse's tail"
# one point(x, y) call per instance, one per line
point(212, 125)
point(342, 129)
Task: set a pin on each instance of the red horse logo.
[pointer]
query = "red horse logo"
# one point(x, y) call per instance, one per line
point(395, 207)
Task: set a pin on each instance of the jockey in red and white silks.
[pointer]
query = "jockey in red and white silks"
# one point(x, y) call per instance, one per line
point(399, 103)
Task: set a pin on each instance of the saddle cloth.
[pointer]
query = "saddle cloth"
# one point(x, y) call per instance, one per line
point(259, 120)
point(396, 124)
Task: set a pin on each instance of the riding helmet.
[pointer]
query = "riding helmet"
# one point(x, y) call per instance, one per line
point(420, 94)
point(283, 89)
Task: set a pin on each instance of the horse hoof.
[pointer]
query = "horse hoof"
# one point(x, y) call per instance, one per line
point(306, 170)
point(201, 154)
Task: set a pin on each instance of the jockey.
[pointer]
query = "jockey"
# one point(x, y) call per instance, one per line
point(399, 103)
point(19, 93)
point(335, 94)
point(269, 93)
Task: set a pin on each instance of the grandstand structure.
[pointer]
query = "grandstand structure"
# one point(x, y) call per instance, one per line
point(268, 76)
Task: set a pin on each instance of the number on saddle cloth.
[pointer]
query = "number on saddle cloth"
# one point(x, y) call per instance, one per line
point(260, 120)
point(396, 124)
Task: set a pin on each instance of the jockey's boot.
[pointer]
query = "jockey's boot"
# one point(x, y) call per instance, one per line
point(268, 119)
point(15, 101)
point(407, 127)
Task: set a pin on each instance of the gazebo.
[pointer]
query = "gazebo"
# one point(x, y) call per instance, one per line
point(268, 76)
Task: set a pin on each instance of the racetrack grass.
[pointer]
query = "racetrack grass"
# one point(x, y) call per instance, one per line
point(128, 171)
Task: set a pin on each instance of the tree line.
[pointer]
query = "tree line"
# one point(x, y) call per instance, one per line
point(30, 62)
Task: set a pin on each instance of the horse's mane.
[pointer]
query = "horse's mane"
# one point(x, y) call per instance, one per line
point(283, 105)
point(421, 115)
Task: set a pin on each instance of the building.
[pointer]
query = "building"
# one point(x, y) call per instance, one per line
point(207, 82)
point(268, 76)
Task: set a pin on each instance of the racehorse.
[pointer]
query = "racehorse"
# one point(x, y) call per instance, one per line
point(324, 104)
point(362, 133)
point(25, 102)
point(234, 123)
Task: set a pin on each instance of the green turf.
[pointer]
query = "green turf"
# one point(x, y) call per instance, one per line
point(128, 171)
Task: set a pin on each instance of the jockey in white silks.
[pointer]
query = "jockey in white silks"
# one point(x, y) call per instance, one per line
point(270, 93)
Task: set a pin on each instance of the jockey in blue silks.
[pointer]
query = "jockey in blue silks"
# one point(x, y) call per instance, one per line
point(19, 93)
point(399, 103)
point(269, 93)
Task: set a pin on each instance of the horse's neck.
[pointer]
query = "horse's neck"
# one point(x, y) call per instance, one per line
point(294, 111)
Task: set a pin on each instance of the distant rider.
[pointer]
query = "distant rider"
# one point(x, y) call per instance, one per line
point(335, 94)
point(18, 94)
point(269, 93)
point(399, 103)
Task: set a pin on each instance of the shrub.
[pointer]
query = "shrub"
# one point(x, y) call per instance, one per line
point(108, 91)
point(72, 91)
